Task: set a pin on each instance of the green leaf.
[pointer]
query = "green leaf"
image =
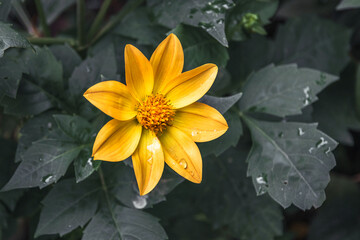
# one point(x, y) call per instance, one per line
point(79, 131)
point(54, 8)
point(123, 185)
point(85, 165)
point(44, 162)
point(208, 15)
point(5, 7)
point(348, 4)
point(339, 217)
point(44, 69)
point(222, 104)
point(31, 100)
point(199, 48)
point(230, 202)
point(230, 138)
point(67, 56)
point(9, 38)
point(40, 86)
point(290, 161)
point(283, 90)
point(309, 42)
point(10, 76)
point(126, 222)
point(89, 72)
point(75, 127)
point(263, 9)
point(68, 206)
point(138, 25)
point(33, 130)
point(335, 110)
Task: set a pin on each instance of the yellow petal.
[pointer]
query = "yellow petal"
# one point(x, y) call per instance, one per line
point(138, 73)
point(200, 121)
point(190, 86)
point(148, 162)
point(167, 62)
point(182, 154)
point(117, 140)
point(113, 98)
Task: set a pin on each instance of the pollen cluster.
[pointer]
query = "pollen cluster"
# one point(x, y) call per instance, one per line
point(155, 113)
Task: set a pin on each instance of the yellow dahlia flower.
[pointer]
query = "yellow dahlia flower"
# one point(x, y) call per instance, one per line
point(156, 116)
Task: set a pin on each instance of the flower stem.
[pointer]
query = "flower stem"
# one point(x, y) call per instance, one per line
point(42, 17)
point(130, 6)
point(99, 18)
point(24, 18)
point(104, 187)
point(80, 21)
point(50, 41)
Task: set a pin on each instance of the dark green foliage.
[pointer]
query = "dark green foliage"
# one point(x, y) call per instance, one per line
point(285, 95)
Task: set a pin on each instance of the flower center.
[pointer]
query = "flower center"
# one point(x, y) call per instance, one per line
point(155, 113)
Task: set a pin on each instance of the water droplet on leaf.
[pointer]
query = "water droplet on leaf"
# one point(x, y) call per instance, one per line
point(140, 202)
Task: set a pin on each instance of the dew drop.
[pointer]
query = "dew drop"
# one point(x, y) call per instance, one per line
point(183, 163)
point(285, 182)
point(89, 161)
point(321, 142)
point(260, 180)
point(300, 132)
point(150, 160)
point(49, 125)
point(281, 134)
point(191, 173)
point(300, 193)
point(307, 100)
point(47, 178)
point(311, 150)
point(140, 202)
point(69, 226)
point(88, 69)
point(328, 151)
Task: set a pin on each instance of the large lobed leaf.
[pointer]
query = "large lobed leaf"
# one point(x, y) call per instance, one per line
point(283, 90)
point(290, 161)
point(309, 42)
point(348, 4)
point(230, 201)
point(208, 15)
point(123, 223)
point(9, 38)
point(200, 48)
point(68, 206)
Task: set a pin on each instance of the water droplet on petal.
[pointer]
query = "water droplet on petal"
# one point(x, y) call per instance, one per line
point(150, 160)
point(140, 202)
point(183, 163)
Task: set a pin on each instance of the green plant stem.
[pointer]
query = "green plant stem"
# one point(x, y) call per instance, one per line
point(130, 6)
point(357, 91)
point(80, 21)
point(42, 17)
point(24, 18)
point(104, 187)
point(50, 41)
point(99, 18)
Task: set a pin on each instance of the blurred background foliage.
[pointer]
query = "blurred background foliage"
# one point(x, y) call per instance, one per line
point(288, 85)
